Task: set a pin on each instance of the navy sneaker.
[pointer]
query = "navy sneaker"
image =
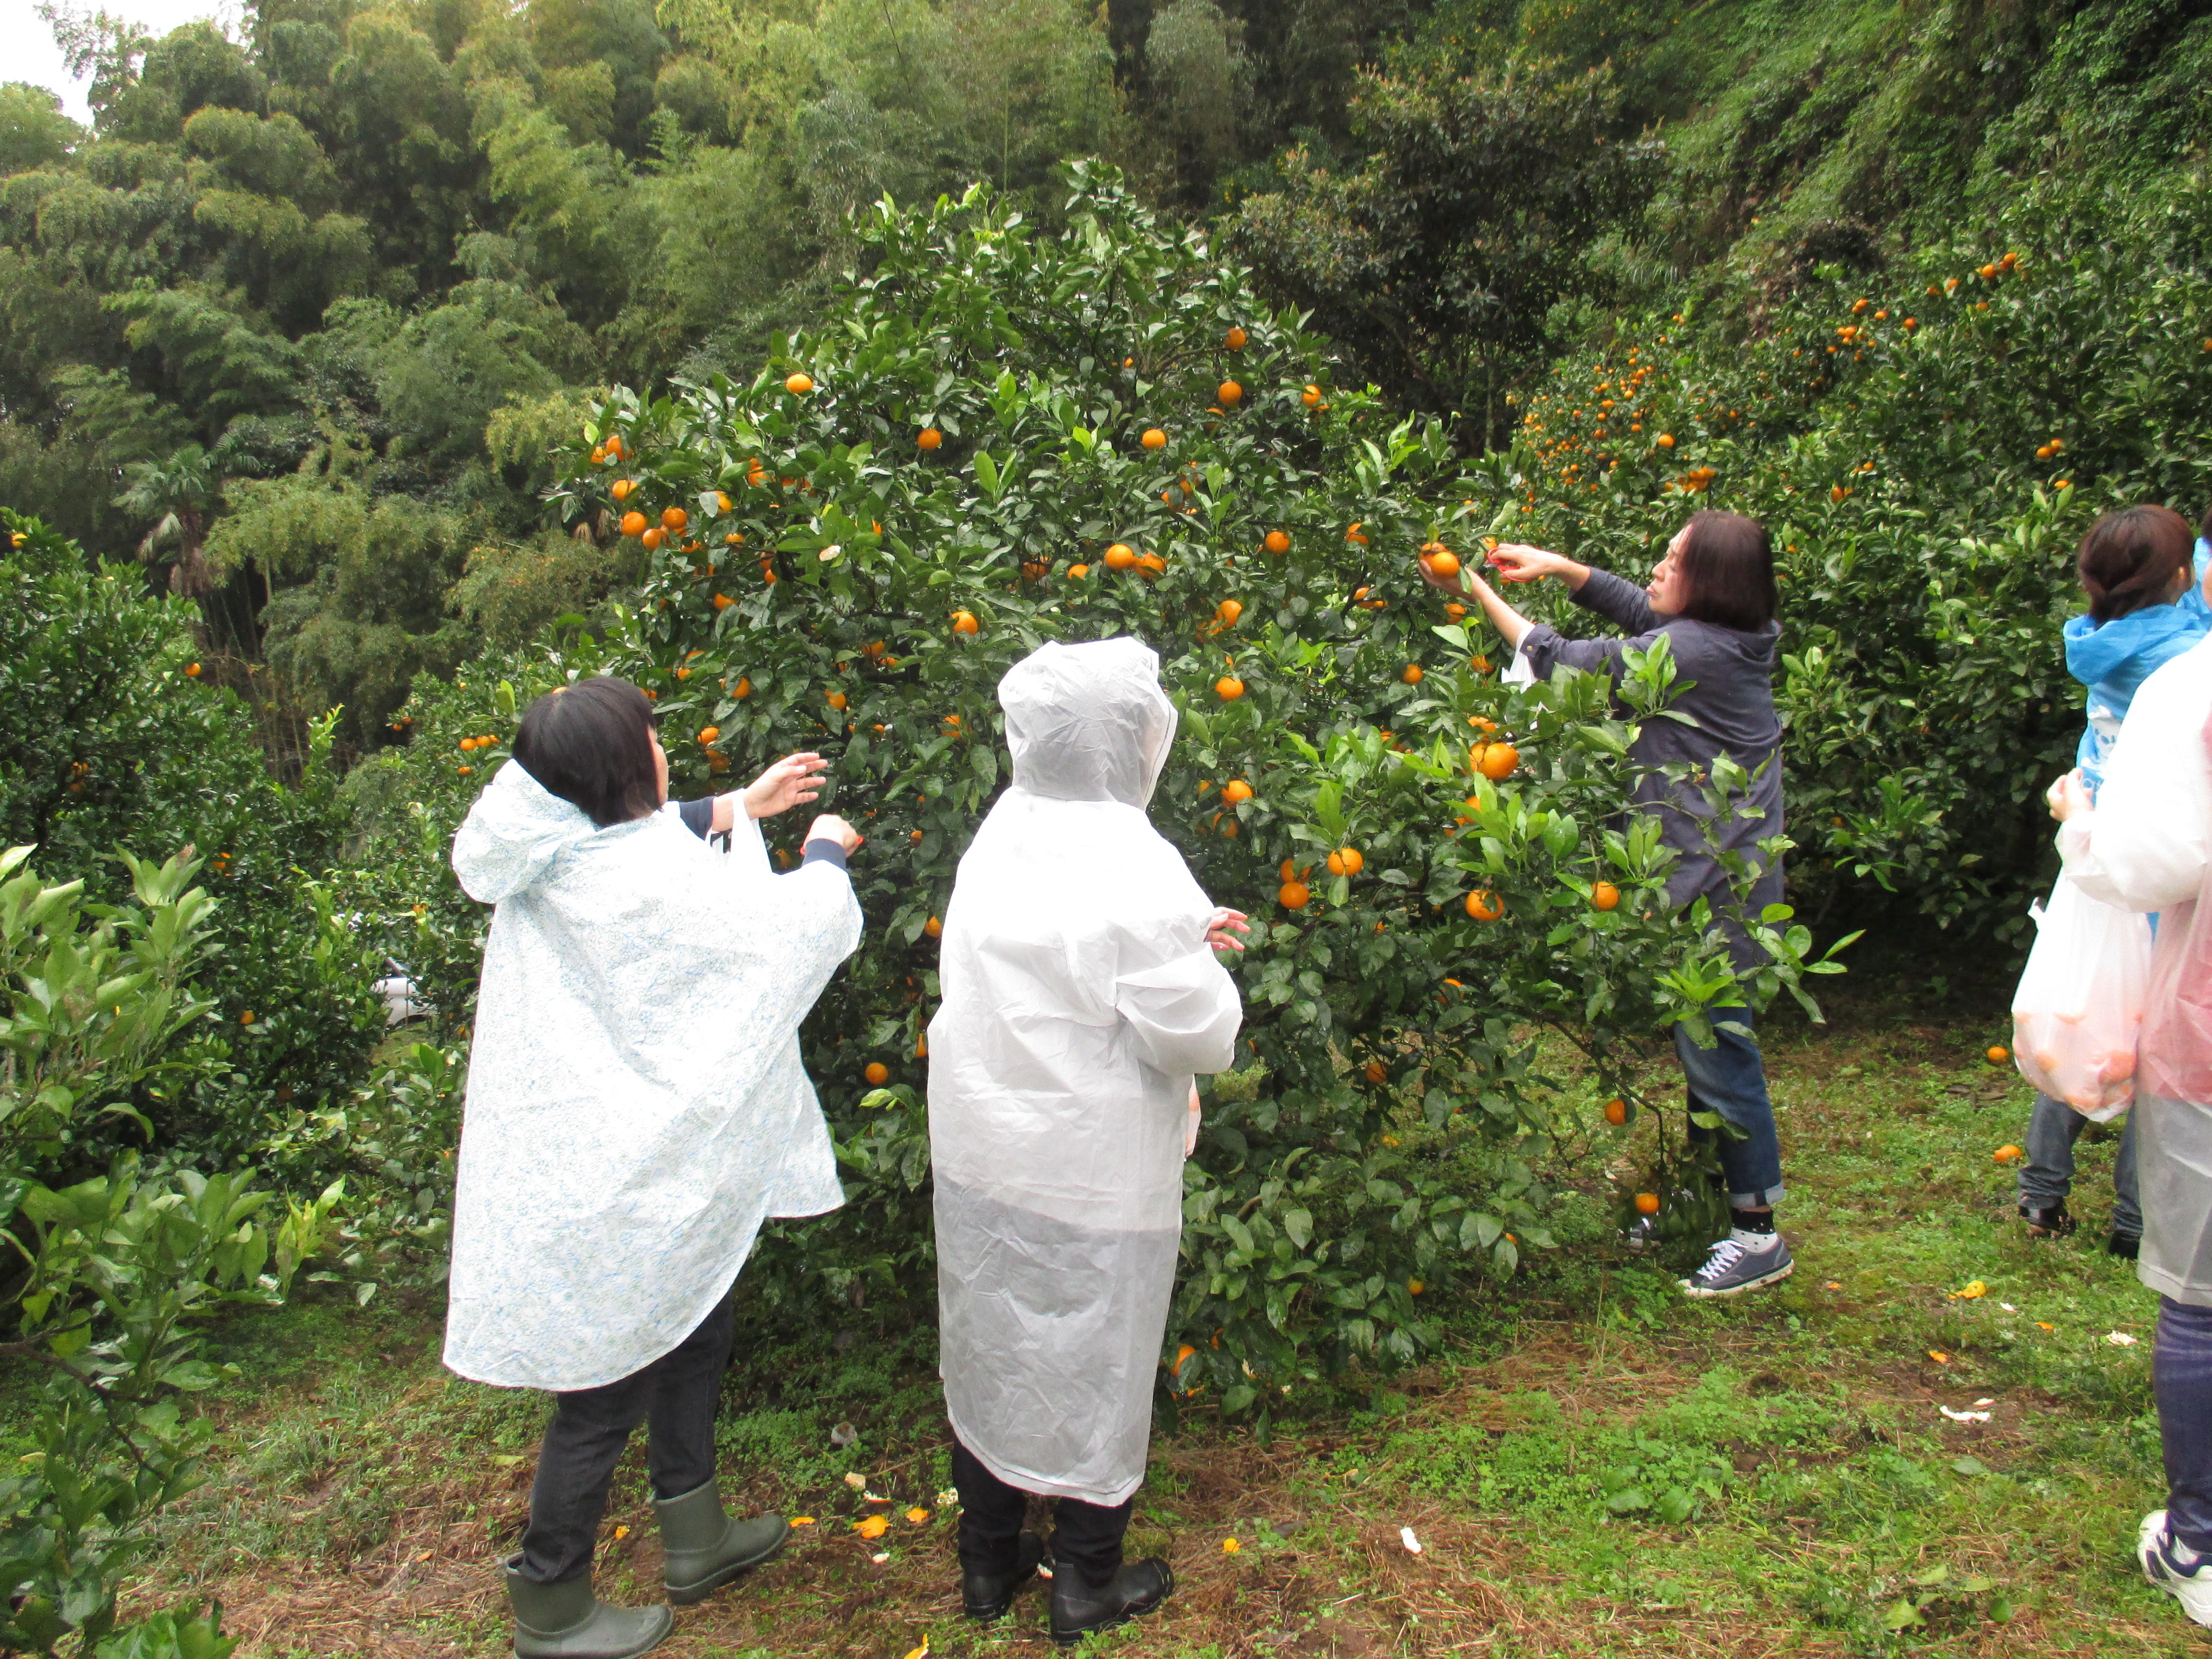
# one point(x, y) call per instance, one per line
point(1734, 1266)
point(2174, 1567)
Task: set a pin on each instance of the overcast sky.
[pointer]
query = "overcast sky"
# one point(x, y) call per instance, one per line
point(26, 46)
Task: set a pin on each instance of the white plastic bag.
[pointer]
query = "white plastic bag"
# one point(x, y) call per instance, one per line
point(2080, 1004)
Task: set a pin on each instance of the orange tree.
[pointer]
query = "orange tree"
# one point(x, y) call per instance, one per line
point(1928, 445)
point(995, 439)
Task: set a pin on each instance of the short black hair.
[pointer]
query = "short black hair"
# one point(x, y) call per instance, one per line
point(2129, 559)
point(592, 743)
point(1728, 572)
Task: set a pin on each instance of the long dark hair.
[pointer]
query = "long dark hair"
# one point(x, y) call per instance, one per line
point(1728, 572)
point(2128, 559)
point(592, 743)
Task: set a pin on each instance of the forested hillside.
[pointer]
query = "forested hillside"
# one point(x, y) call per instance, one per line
point(305, 306)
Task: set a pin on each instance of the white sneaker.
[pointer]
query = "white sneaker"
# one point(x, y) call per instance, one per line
point(1734, 1266)
point(2182, 1572)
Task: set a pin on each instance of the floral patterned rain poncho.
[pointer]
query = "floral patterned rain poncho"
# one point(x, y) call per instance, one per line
point(636, 1108)
point(1080, 996)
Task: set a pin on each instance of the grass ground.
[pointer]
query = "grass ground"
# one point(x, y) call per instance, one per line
point(1594, 1467)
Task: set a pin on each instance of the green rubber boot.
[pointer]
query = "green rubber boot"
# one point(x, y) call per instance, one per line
point(705, 1548)
point(567, 1621)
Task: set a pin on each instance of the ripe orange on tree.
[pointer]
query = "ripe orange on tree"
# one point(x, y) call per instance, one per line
point(1378, 1072)
point(1230, 392)
point(1293, 896)
point(1997, 1056)
point(1616, 1112)
point(633, 524)
point(1235, 790)
point(1229, 688)
point(1228, 612)
point(620, 489)
point(1647, 1204)
point(1310, 396)
point(709, 733)
point(1121, 556)
point(1346, 861)
point(1442, 563)
point(1154, 439)
point(837, 700)
point(877, 1074)
point(929, 438)
point(653, 538)
point(1484, 907)
point(1278, 542)
point(674, 518)
point(963, 622)
point(1495, 761)
point(1236, 340)
point(799, 384)
point(934, 927)
point(1412, 674)
point(1604, 895)
point(191, 670)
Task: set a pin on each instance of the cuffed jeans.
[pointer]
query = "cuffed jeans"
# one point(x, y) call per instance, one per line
point(1086, 1537)
point(2047, 1176)
point(677, 1394)
point(2181, 1370)
point(1731, 1080)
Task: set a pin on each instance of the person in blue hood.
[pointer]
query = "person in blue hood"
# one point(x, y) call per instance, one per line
point(2146, 605)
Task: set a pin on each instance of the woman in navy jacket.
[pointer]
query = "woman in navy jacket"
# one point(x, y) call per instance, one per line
point(1712, 599)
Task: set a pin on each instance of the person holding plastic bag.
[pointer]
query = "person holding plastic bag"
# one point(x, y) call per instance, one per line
point(1712, 599)
point(636, 1110)
point(1080, 996)
point(2145, 609)
point(2144, 843)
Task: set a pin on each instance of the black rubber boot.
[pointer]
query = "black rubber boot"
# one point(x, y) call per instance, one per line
point(705, 1549)
point(2127, 1246)
point(2053, 1223)
point(1079, 1608)
point(567, 1621)
point(986, 1595)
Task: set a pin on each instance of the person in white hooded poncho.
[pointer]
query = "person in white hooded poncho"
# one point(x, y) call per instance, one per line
point(1080, 996)
point(636, 1110)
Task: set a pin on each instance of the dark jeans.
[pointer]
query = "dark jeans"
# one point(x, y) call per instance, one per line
point(2047, 1176)
point(2181, 1370)
point(677, 1392)
point(1730, 1081)
point(1086, 1537)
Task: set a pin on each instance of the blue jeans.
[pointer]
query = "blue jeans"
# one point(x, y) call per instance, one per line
point(1730, 1081)
point(2047, 1176)
point(2181, 1370)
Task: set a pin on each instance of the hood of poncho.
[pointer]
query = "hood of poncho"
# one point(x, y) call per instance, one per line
point(1088, 722)
point(513, 834)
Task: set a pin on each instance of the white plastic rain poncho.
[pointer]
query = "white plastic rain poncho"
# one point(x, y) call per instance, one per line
point(635, 1104)
point(1080, 996)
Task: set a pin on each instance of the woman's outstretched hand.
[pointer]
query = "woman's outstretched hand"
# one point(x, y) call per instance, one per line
point(1190, 1124)
point(1517, 563)
point(792, 782)
point(830, 826)
point(1218, 925)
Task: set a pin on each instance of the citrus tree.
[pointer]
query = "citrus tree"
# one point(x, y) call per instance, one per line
point(1927, 444)
point(997, 438)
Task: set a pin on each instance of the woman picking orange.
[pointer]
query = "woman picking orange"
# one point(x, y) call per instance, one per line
point(1711, 598)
